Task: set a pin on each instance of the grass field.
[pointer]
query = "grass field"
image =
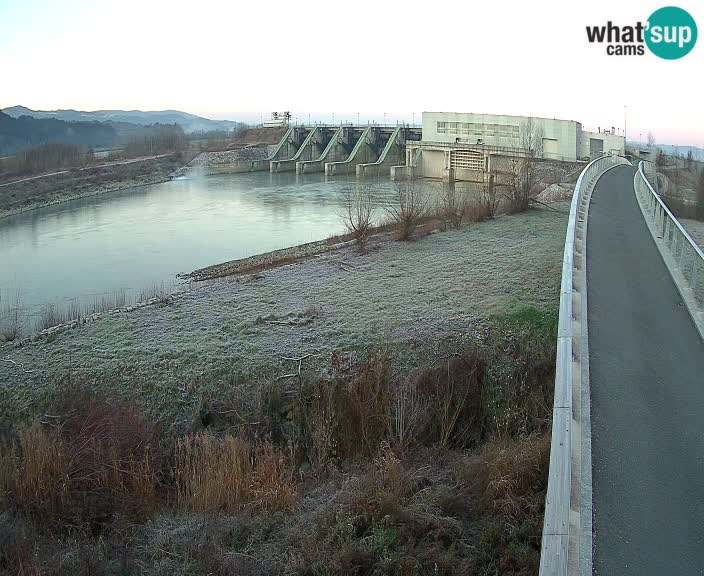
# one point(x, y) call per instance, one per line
point(377, 413)
point(415, 296)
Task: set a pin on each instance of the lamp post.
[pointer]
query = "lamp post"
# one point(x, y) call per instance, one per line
point(625, 124)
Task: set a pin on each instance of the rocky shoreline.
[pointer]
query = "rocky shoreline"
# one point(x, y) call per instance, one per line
point(69, 186)
point(98, 190)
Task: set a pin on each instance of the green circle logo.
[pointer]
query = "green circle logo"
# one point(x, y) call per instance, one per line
point(670, 33)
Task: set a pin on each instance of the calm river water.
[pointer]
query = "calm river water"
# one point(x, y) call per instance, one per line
point(81, 250)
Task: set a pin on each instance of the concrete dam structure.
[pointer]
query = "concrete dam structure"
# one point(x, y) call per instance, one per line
point(334, 150)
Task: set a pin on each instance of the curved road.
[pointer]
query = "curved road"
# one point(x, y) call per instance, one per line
point(646, 364)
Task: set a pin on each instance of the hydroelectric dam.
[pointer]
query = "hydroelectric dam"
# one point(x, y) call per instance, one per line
point(361, 150)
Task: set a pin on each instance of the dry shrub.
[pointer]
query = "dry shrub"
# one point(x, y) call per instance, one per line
point(488, 199)
point(11, 321)
point(273, 482)
point(509, 480)
point(95, 461)
point(229, 473)
point(357, 212)
point(511, 475)
point(453, 205)
point(348, 416)
point(452, 395)
point(212, 473)
point(408, 413)
point(17, 548)
point(33, 471)
point(51, 315)
point(476, 212)
point(392, 478)
point(408, 208)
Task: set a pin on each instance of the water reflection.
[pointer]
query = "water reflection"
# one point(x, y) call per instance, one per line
point(136, 238)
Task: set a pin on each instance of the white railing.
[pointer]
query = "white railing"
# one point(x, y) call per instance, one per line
point(562, 529)
point(687, 256)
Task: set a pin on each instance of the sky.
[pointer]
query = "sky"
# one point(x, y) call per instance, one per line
point(331, 60)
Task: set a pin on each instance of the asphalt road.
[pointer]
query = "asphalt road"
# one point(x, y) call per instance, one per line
point(646, 364)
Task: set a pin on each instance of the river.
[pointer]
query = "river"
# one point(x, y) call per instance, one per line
point(128, 241)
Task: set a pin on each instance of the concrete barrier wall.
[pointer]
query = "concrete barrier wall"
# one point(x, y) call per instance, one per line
point(362, 153)
point(334, 152)
point(392, 154)
point(401, 172)
point(309, 149)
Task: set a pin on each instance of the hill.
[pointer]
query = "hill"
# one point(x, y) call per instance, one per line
point(17, 134)
point(189, 122)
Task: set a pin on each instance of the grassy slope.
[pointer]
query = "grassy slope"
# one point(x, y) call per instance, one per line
point(436, 289)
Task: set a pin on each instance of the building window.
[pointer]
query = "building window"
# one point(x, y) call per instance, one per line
point(477, 130)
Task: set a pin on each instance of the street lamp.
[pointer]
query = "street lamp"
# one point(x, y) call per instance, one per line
point(625, 124)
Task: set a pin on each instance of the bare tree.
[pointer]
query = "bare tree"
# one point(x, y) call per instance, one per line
point(357, 211)
point(531, 137)
point(407, 208)
point(522, 177)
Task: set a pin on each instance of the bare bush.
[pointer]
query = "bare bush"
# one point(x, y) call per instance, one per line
point(453, 394)
point(358, 203)
point(98, 458)
point(160, 292)
point(52, 315)
point(11, 320)
point(228, 473)
point(407, 208)
point(452, 204)
point(488, 200)
point(212, 473)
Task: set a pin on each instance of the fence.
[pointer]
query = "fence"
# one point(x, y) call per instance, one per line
point(687, 256)
point(564, 529)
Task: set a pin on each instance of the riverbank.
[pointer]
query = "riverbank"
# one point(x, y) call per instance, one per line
point(417, 295)
point(347, 412)
point(33, 193)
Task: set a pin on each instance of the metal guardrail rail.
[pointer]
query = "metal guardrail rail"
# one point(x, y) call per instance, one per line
point(684, 251)
point(563, 527)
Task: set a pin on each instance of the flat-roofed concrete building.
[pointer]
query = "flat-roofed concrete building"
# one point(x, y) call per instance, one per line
point(468, 142)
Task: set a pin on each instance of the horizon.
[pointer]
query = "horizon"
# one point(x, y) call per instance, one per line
point(348, 117)
point(193, 80)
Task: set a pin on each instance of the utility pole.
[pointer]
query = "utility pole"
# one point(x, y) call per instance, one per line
point(625, 131)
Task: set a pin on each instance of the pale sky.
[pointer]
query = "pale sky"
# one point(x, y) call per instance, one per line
point(243, 59)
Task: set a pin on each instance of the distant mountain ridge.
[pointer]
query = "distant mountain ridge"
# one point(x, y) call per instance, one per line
point(24, 132)
point(189, 122)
